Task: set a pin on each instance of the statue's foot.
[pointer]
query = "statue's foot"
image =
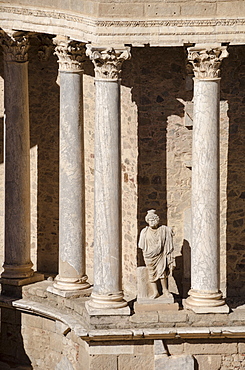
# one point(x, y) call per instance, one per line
point(155, 295)
point(167, 294)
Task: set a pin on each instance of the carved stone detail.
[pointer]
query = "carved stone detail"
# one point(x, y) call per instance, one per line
point(206, 61)
point(15, 46)
point(46, 47)
point(108, 61)
point(71, 54)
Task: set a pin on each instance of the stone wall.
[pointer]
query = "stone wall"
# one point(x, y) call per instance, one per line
point(41, 343)
point(156, 160)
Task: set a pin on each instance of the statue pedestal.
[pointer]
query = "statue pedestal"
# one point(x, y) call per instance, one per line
point(157, 304)
point(164, 302)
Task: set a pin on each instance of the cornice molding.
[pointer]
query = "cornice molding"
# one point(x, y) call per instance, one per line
point(155, 31)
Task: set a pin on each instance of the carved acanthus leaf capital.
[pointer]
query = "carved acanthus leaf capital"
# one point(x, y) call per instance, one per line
point(15, 46)
point(206, 61)
point(71, 54)
point(46, 47)
point(108, 61)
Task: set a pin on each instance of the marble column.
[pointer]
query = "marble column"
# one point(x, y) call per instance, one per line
point(71, 172)
point(107, 291)
point(205, 180)
point(17, 263)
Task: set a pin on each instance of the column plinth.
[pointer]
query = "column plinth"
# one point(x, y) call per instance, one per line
point(107, 292)
point(205, 180)
point(17, 263)
point(71, 173)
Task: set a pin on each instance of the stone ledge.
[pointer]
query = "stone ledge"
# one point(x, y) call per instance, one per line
point(37, 300)
point(73, 322)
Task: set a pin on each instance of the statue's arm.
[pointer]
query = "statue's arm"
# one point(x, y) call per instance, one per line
point(141, 243)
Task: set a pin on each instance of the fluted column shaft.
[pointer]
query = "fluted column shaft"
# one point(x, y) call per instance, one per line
point(205, 178)
point(107, 292)
point(17, 263)
point(71, 171)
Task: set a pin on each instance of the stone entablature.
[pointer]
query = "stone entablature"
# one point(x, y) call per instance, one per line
point(122, 23)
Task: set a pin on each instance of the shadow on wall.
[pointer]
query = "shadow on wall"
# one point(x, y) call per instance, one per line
point(44, 133)
point(157, 78)
point(12, 352)
point(233, 90)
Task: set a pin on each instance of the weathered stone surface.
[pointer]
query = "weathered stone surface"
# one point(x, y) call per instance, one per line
point(175, 347)
point(64, 364)
point(168, 316)
point(136, 362)
point(175, 363)
point(141, 317)
point(111, 348)
point(155, 306)
point(103, 362)
point(208, 362)
point(241, 347)
point(195, 348)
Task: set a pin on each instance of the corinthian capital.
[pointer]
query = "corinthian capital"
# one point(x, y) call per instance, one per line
point(15, 45)
point(108, 61)
point(206, 60)
point(46, 47)
point(71, 54)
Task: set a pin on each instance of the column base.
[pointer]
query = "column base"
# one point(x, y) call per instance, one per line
point(17, 271)
point(71, 284)
point(201, 302)
point(107, 301)
point(70, 293)
point(13, 287)
point(36, 276)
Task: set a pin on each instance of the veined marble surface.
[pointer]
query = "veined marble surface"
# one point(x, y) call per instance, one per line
point(205, 187)
point(71, 211)
point(107, 227)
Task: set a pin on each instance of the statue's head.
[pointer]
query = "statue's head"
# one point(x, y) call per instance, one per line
point(152, 218)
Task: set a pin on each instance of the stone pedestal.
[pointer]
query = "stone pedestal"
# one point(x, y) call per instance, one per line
point(17, 262)
point(107, 292)
point(205, 180)
point(144, 292)
point(72, 275)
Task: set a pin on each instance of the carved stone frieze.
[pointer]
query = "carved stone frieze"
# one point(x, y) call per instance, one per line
point(71, 54)
point(206, 61)
point(15, 45)
point(108, 61)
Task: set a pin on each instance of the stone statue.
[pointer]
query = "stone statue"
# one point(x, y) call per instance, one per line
point(156, 243)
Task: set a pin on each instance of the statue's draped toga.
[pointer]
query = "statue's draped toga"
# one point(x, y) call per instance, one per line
point(157, 247)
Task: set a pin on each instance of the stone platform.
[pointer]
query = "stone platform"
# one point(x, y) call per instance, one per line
point(140, 323)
